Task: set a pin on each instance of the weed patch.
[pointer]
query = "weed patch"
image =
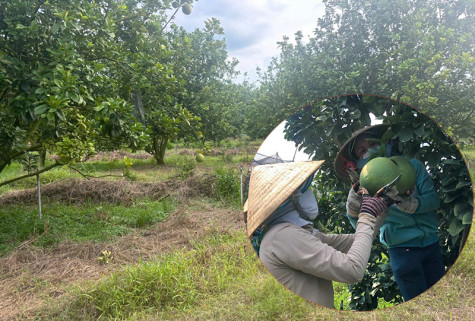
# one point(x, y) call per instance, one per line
point(177, 281)
point(97, 222)
point(228, 185)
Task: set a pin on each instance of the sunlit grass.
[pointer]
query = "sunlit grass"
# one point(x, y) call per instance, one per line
point(60, 222)
point(220, 278)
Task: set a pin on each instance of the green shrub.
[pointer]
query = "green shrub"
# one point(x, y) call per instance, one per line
point(228, 185)
point(186, 166)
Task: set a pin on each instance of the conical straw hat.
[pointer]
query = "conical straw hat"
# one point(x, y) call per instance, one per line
point(270, 185)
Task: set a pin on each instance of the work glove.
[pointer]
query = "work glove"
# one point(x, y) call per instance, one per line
point(407, 204)
point(353, 202)
point(375, 205)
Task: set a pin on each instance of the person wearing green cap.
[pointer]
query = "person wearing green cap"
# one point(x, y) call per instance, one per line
point(410, 229)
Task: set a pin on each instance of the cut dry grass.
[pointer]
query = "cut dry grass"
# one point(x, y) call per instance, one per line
point(80, 191)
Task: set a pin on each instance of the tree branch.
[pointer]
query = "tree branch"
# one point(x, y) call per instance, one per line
point(91, 176)
point(173, 15)
point(31, 174)
point(29, 149)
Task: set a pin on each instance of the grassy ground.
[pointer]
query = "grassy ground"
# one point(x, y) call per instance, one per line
point(188, 259)
point(60, 222)
point(220, 278)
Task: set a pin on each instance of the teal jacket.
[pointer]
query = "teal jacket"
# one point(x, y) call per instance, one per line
point(401, 229)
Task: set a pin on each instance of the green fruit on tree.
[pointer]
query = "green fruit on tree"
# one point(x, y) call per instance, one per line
point(200, 157)
point(186, 8)
point(408, 174)
point(378, 172)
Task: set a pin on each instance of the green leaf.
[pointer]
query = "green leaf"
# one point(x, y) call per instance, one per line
point(50, 116)
point(373, 108)
point(467, 218)
point(460, 209)
point(388, 135)
point(451, 162)
point(462, 184)
point(447, 180)
point(60, 115)
point(98, 67)
point(41, 109)
point(329, 132)
point(40, 90)
point(449, 188)
point(455, 227)
point(405, 135)
point(355, 114)
point(451, 197)
point(419, 131)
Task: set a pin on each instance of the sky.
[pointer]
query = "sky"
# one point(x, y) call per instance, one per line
point(276, 143)
point(253, 27)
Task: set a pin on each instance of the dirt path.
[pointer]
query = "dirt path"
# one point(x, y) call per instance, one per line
point(31, 276)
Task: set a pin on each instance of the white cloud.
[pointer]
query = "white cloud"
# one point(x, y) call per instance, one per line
point(253, 27)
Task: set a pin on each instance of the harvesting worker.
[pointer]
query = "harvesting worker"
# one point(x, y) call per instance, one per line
point(410, 229)
point(281, 207)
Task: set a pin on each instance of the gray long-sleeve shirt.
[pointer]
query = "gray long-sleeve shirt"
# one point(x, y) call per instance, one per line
point(307, 264)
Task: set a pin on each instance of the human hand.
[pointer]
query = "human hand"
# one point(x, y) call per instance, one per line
point(388, 195)
point(353, 202)
point(407, 204)
point(354, 177)
point(375, 205)
point(408, 192)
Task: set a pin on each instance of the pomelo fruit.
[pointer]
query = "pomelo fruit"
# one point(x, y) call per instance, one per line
point(186, 8)
point(408, 174)
point(200, 157)
point(378, 172)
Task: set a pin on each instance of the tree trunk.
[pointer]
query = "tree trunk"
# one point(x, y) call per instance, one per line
point(42, 160)
point(41, 164)
point(159, 147)
point(138, 104)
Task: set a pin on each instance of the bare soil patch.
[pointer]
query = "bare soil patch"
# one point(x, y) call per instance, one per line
point(31, 276)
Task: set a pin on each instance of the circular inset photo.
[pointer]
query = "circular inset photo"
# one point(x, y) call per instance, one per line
point(358, 202)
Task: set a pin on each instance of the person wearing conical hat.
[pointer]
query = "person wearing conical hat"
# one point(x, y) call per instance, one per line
point(410, 229)
point(306, 261)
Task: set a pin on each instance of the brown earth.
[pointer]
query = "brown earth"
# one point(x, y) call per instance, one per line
point(31, 276)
